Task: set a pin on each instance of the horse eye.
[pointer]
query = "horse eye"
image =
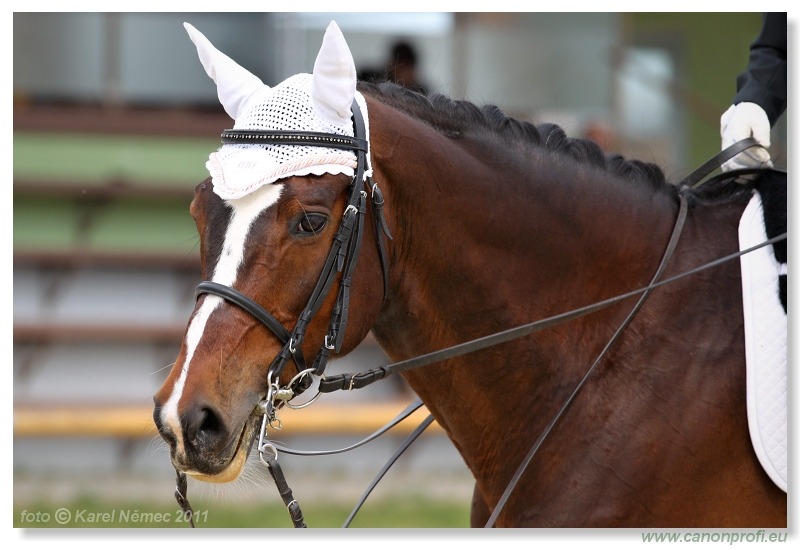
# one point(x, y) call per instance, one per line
point(311, 223)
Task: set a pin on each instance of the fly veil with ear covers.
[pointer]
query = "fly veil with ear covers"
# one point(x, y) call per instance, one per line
point(309, 124)
point(319, 102)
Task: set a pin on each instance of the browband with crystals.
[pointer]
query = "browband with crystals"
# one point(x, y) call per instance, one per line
point(286, 137)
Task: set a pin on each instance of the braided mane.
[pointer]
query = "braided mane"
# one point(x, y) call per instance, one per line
point(455, 118)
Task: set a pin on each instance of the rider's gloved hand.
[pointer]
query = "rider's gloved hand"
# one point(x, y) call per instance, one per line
point(743, 121)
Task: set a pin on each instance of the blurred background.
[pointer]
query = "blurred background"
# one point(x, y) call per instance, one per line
point(113, 119)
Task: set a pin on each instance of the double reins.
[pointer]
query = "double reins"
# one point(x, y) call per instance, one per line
point(342, 259)
point(352, 381)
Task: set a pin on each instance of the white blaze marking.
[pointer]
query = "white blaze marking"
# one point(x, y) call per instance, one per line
point(245, 211)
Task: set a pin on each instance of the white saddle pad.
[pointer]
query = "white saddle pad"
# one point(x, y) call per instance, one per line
point(765, 328)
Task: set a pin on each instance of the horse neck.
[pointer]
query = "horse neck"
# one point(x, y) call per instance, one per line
point(486, 239)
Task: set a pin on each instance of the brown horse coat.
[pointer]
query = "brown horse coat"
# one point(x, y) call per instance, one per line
point(497, 223)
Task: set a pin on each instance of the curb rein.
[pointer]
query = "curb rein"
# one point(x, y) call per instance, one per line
point(342, 258)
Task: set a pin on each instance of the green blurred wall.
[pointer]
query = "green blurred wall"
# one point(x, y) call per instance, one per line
point(713, 48)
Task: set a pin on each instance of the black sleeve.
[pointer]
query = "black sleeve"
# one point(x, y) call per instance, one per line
point(764, 80)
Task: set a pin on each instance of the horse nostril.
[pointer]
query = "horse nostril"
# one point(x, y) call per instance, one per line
point(210, 423)
point(204, 426)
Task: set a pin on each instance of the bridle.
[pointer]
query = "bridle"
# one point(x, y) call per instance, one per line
point(342, 259)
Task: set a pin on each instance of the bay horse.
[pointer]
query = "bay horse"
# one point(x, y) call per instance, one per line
point(495, 223)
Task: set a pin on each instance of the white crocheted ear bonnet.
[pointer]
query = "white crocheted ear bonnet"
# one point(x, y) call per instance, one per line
point(318, 102)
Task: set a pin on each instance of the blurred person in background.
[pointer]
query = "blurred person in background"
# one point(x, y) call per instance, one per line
point(401, 68)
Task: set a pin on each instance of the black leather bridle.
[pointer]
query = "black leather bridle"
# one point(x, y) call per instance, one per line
point(342, 257)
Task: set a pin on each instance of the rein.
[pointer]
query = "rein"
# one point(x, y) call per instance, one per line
point(342, 259)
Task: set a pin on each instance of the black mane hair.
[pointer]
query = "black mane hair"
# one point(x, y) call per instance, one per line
point(454, 118)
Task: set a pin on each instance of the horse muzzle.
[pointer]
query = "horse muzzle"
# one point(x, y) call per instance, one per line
point(204, 447)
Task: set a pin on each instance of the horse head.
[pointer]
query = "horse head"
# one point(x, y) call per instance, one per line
point(267, 220)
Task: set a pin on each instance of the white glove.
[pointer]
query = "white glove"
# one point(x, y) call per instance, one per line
point(743, 121)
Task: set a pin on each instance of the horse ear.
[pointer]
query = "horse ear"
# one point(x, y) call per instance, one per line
point(235, 84)
point(334, 83)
